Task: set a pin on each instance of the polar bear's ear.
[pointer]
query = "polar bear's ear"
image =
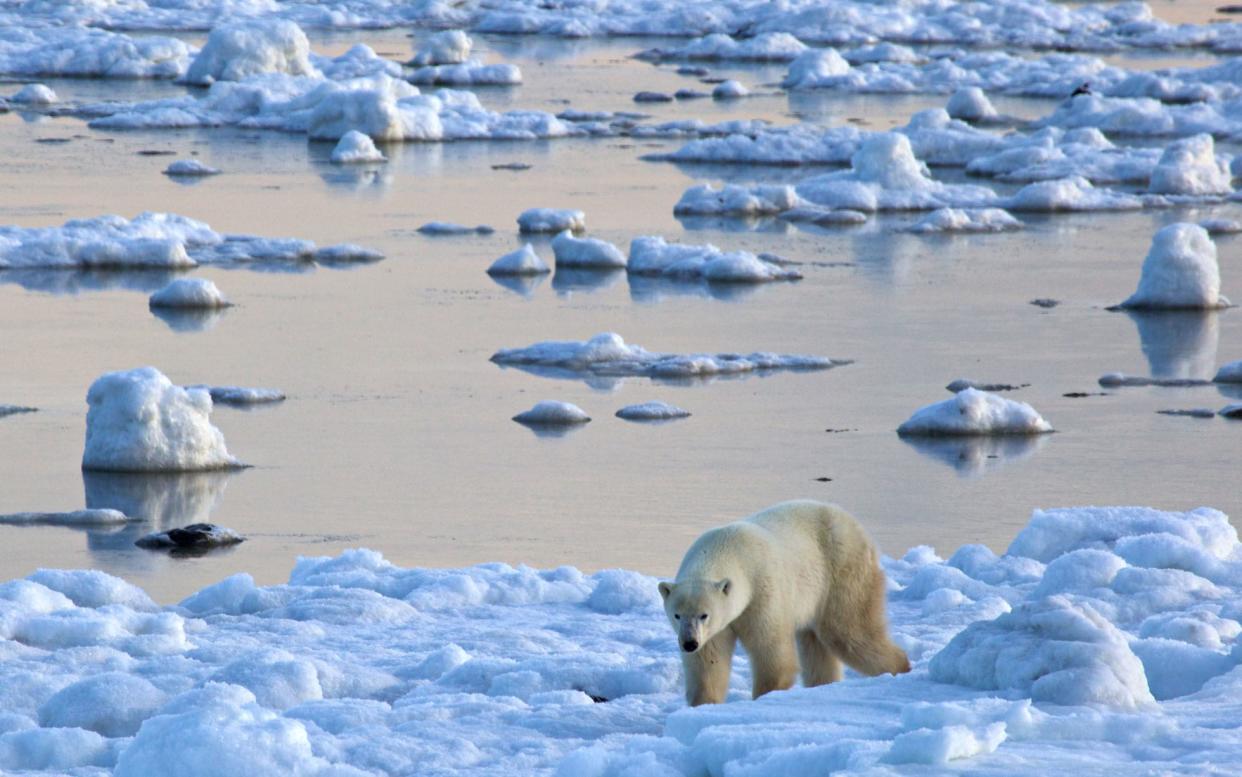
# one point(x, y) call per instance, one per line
point(665, 589)
point(723, 586)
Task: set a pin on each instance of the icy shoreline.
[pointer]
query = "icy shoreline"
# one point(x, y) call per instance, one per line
point(1104, 640)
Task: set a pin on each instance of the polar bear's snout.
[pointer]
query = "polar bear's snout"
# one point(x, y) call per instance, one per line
point(690, 645)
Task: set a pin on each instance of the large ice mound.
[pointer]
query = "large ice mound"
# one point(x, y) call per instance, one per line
point(139, 421)
point(971, 411)
point(651, 255)
point(1180, 271)
point(250, 47)
point(189, 293)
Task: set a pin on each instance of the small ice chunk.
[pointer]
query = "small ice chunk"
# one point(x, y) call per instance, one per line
point(970, 104)
point(1229, 373)
point(1221, 226)
point(586, 252)
point(139, 421)
point(190, 168)
point(1119, 379)
point(734, 200)
point(436, 228)
point(654, 256)
point(189, 293)
point(346, 253)
point(15, 409)
point(241, 395)
point(966, 220)
point(815, 67)
point(236, 50)
point(652, 97)
point(196, 536)
point(1190, 166)
point(355, 147)
point(553, 220)
point(965, 383)
point(523, 261)
point(652, 411)
point(553, 413)
point(1232, 411)
point(1069, 194)
point(35, 94)
point(729, 90)
point(450, 47)
point(971, 411)
point(1180, 271)
point(89, 517)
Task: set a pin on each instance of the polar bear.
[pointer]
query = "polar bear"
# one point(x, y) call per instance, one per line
point(798, 584)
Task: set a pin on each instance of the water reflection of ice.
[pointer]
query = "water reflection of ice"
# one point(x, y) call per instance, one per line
point(67, 281)
point(765, 225)
point(188, 319)
point(569, 281)
point(524, 285)
point(1179, 344)
point(160, 500)
point(647, 289)
point(975, 456)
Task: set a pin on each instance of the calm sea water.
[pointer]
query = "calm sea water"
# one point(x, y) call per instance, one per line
point(397, 437)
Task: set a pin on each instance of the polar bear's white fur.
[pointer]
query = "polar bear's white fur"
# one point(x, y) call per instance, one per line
point(799, 584)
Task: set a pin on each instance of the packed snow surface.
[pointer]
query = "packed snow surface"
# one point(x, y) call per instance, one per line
point(138, 421)
point(552, 413)
point(523, 261)
point(608, 354)
point(652, 411)
point(586, 252)
point(551, 220)
point(1180, 271)
point(355, 147)
point(1104, 641)
point(190, 167)
point(189, 293)
point(971, 411)
point(656, 257)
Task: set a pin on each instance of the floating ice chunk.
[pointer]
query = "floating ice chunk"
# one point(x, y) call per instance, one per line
point(1119, 379)
point(651, 255)
point(448, 228)
point(734, 200)
point(608, 354)
point(346, 253)
point(652, 97)
point(238, 49)
point(961, 384)
point(1221, 226)
point(468, 74)
point(240, 395)
point(887, 176)
point(959, 220)
point(551, 220)
point(1229, 373)
point(1232, 411)
point(190, 167)
point(552, 413)
point(113, 704)
point(1180, 271)
point(354, 147)
point(729, 90)
point(139, 421)
point(971, 411)
point(813, 214)
point(1058, 650)
point(1069, 194)
point(814, 68)
point(35, 94)
point(449, 47)
point(73, 51)
point(1190, 166)
point(586, 253)
point(97, 517)
point(16, 409)
point(523, 261)
point(189, 293)
point(652, 411)
point(971, 104)
point(196, 536)
point(764, 47)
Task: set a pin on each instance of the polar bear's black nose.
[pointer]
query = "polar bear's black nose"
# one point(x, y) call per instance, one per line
point(690, 645)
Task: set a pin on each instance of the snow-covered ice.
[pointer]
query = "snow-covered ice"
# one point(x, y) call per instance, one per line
point(653, 256)
point(189, 293)
point(971, 412)
point(554, 220)
point(89, 517)
point(1229, 373)
point(607, 354)
point(447, 47)
point(652, 411)
point(190, 167)
point(968, 220)
point(586, 252)
point(355, 147)
point(1069, 194)
point(1180, 271)
point(467, 74)
point(765, 47)
point(1221, 226)
point(734, 200)
point(138, 421)
point(1190, 166)
point(971, 104)
point(251, 47)
point(729, 90)
point(448, 228)
point(81, 51)
point(35, 94)
point(552, 413)
point(241, 395)
point(523, 261)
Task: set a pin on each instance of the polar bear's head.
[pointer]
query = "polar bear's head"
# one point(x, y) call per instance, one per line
point(697, 609)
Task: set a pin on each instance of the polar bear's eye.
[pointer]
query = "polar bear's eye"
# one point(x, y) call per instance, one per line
point(703, 617)
point(676, 616)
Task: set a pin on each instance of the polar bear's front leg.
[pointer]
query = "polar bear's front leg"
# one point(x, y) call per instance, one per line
point(708, 669)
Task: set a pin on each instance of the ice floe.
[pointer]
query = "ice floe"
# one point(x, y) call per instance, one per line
point(735, 200)
point(241, 395)
point(608, 355)
point(968, 220)
point(1221, 226)
point(448, 228)
point(190, 168)
point(729, 90)
point(191, 538)
point(653, 256)
point(197, 293)
point(447, 47)
point(1069, 194)
point(96, 517)
point(70, 51)
point(553, 413)
point(971, 104)
point(1179, 272)
point(652, 411)
point(355, 147)
point(554, 220)
point(1190, 166)
point(586, 252)
point(974, 412)
point(523, 261)
point(138, 421)
point(1229, 373)
point(239, 49)
point(765, 47)
point(35, 94)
